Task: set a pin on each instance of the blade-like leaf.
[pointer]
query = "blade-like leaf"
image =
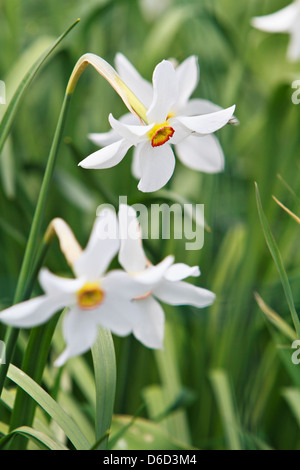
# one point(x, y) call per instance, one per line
point(226, 408)
point(14, 103)
point(42, 440)
point(278, 261)
point(105, 376)
point(51, 407)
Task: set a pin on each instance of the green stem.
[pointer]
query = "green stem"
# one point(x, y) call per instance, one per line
point(26, 268)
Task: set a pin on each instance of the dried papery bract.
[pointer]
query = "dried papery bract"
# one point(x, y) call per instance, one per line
point(67, 241)
point(108, 72)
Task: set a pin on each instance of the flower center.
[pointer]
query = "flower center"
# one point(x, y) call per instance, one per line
point(160, 134)
point(90, 296)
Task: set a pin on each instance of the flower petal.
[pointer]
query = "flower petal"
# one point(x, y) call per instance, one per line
point(119, 285)
point(119, 315)
point(183, 293)
point(294, 45)
point(187, 74)
point(279, 22)
point(131, 255)
point(141, 87)
point(133, 134)
point(135, 165)
point(150, 327)
point(55, 285)
point(180, 271)
point(206, 123)
point(154, 274)
point(165, 92)
point(106, 138)
point(202, 153)
point(157, 166)
point(198, 106)
point(102, 246)
point(33, 312)
point(107, 157)
point(80, 331)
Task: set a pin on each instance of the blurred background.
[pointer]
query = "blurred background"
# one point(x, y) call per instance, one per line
point(225, 379)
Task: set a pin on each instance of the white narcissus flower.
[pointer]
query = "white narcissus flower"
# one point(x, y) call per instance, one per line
point(172, 118)
point(93, 298)
point(286, 20)
point(162, 282)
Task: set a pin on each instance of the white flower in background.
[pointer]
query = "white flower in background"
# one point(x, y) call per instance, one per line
point(172, 119)
point(162, 282)
point(286, 20)
point(153, 9)
point(93, 298)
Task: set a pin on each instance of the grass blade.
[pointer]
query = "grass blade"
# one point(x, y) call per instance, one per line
point(221, 387)
point(105, 376)
point(41, 439)
point(51, 407)
point(14, 103)
point(278, 261)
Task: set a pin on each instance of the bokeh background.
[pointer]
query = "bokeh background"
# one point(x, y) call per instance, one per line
point(225, 379)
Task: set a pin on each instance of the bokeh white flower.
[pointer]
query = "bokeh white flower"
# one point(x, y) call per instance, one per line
point(286, 20)
point(172, 119)
point(94, 298)
point(163, 282)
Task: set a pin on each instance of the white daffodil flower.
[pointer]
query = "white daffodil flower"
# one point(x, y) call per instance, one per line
point(93, 298)
point(286, 20)
point(162, 282)
point(172, 119)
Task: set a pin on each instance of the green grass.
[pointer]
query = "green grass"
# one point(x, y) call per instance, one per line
point(225, 379)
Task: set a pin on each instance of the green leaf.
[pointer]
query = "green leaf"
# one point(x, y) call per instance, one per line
point(14, 103)
point(278, 261)
point(105, 376)
point(141, 434)
point(292, 396)
point(226, 408)
point(51, 407)
point(41, 439)
point(274, 318)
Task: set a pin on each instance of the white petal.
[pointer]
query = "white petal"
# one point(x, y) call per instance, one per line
point(131, 255)
point(80, 332)
point(33, 312)
point(117, 284)
point(165, 92)
point(294, 45)
point(198, 106)
point(106, 138)
point(183, 293)
point(119, 315)
point(154, 274)
point(279, 22)
point(180, 271)
point(133, 134)
point(188, 76)
point(140, 87)
point(206, 123)
point(157, 166)
point(135, 166)
point(55, 285)
point(108, 156)
point(150, 327)
point(102, 246)
point(202, 153)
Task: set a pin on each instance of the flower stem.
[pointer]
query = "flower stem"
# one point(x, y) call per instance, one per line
point(25, 276)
